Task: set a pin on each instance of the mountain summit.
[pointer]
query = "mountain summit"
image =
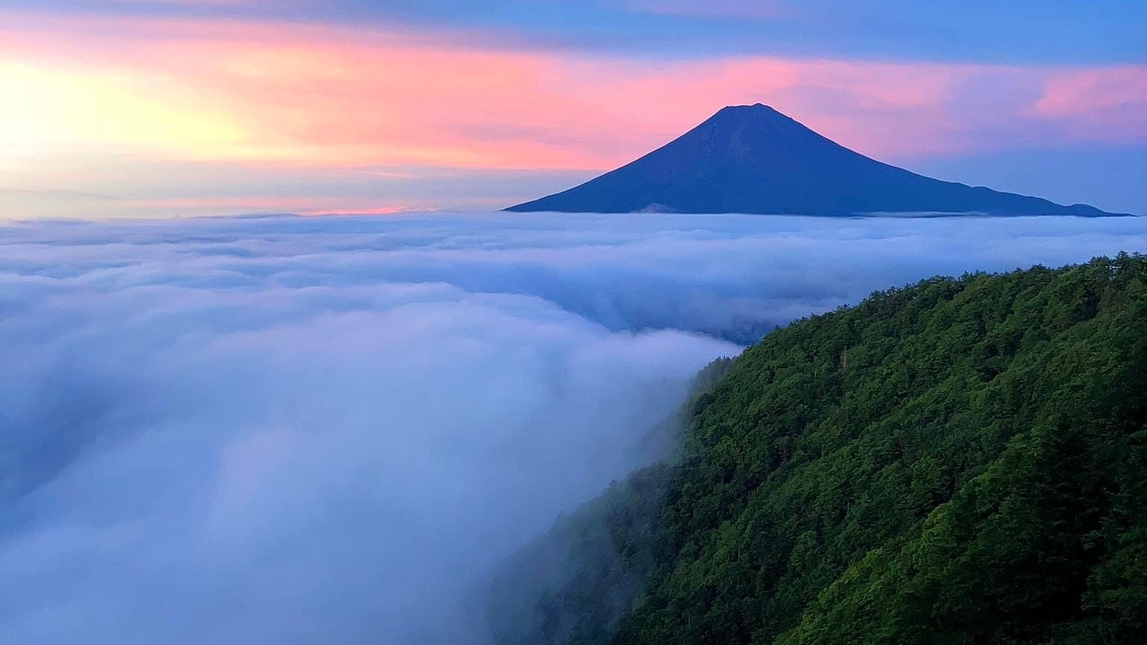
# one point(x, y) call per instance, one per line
point(753, 159)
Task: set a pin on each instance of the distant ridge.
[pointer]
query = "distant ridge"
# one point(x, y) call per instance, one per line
point(753, 159)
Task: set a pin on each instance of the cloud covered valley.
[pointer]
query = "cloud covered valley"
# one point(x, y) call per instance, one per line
point(300, 430)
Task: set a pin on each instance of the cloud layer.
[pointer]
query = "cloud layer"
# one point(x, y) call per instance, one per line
point(300, 430)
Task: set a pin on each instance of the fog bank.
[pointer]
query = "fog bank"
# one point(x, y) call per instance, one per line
point(300, 430)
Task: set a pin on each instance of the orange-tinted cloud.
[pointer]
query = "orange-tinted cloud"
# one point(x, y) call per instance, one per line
point(322, 96)
point(293, 95)
point(257, 204)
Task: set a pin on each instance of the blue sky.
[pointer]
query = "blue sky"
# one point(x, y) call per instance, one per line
point(382, 106)
point(1055, 31)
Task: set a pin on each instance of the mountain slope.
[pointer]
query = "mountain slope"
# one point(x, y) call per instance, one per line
point(960, 461)
point(753, 159)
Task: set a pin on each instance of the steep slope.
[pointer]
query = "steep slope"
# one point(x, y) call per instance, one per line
point(753, 159)
point(960, 461)
point(577, 583)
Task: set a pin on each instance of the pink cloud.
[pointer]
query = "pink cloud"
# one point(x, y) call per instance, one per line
point(1097, 102)
point(323, 96)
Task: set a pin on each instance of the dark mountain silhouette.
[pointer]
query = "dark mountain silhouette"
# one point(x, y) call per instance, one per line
point(753, 159)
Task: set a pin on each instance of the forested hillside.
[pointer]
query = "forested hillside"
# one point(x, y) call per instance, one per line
point(960, 461)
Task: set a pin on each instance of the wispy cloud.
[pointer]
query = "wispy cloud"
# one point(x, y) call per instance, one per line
point(290, 97)
point(329, 96)
point(1108, 99)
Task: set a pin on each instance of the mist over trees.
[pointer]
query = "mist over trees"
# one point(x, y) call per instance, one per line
point(300, 430)
point(960, 461)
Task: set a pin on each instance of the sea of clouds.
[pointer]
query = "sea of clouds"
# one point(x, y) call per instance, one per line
point(325, 430)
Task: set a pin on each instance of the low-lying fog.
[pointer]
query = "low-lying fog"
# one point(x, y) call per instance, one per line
point(322, 430)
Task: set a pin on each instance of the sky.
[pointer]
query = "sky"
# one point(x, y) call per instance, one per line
point(152, 108)
point(300, 430)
